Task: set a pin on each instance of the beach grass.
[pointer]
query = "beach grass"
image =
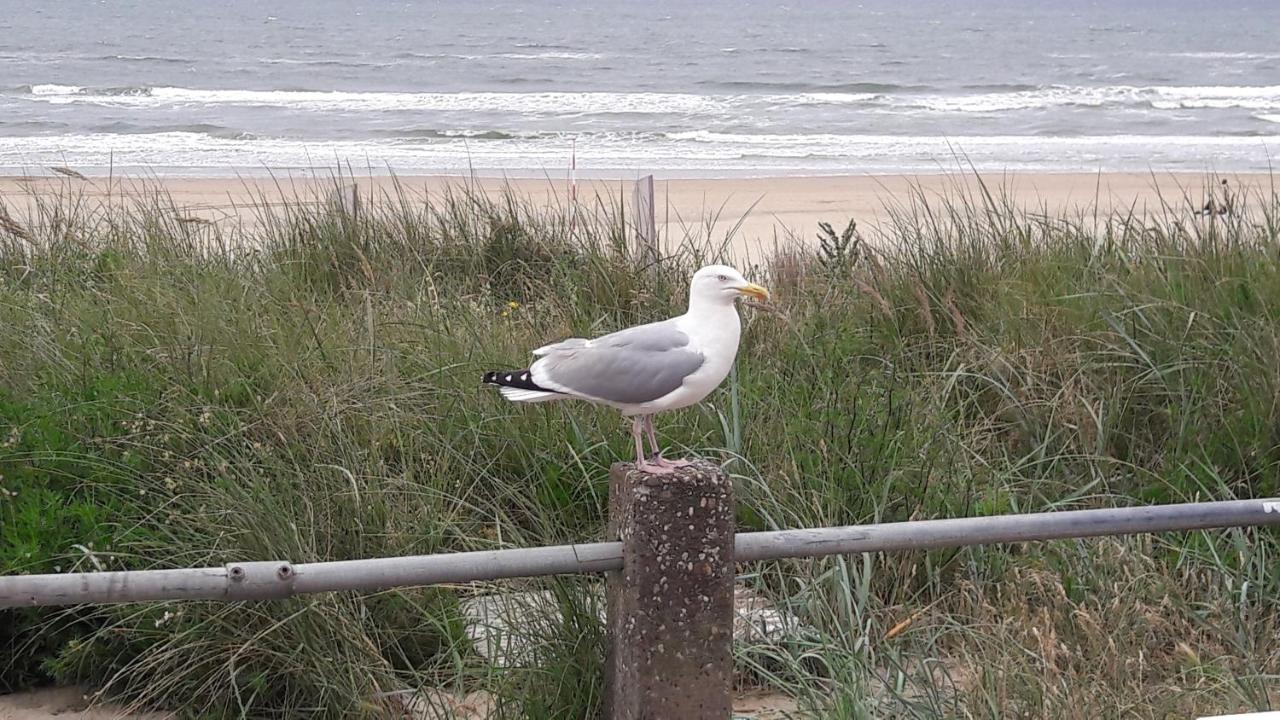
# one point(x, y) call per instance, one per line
point(303, 385)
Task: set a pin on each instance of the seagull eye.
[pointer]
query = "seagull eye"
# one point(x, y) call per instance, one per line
point(722, 278)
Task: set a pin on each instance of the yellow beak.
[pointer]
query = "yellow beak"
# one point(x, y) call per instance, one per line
point(754, 291)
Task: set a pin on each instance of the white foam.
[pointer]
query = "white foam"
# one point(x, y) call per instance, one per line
point(1159, 97)
point(551, 55)
point(56, 90)
point(828, 98)
point(656, 103)
point(1251, 98)
point(557, 103)
point(695, 150)
point(1048, 97)
point(1220, 55)
point(870, 145)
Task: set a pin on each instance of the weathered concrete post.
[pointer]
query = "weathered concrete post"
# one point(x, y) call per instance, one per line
point(670, 608)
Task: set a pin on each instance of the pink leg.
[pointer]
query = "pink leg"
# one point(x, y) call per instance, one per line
point(653, 436)
point(641, 464)
point(657, 451)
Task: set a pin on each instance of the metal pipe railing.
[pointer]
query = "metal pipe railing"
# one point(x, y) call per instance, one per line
point(269, 580)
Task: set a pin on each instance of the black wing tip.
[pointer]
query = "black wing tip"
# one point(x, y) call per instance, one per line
point(521, 379)
point(495, 377)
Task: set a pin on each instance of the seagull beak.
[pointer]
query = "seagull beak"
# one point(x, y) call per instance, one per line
point(754, 291)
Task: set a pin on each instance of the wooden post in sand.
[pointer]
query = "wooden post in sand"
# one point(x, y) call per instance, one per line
point(345, 201)
point(670, 607)
point(642, 208)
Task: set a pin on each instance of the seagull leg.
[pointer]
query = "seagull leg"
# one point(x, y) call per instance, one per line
point(642, 464)
point(653, 438)
point(657, 451)
point(635, 434)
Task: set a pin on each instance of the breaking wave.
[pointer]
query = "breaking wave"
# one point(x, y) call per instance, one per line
point(751, 94)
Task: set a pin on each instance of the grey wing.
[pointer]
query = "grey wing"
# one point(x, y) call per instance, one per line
point(569, 344)
point(629, 367)
point(654, 337)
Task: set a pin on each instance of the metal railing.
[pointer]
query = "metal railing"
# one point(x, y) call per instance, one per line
point(670, 586)
point(276, 579)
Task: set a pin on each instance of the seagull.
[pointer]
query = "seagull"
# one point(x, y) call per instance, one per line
point(645, 369)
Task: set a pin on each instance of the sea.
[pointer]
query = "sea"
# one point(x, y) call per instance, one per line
point(705, 88)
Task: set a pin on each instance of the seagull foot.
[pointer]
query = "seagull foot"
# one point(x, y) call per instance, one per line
point(657, 459)
point(653, 468)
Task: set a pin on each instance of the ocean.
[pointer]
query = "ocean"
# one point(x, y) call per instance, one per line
point(707, 89)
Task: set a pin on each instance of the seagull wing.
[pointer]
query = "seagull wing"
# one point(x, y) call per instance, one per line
point(630, 367)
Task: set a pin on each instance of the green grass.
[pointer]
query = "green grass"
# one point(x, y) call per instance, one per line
point(305, 387)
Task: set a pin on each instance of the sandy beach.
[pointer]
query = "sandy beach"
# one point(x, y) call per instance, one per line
point(68, 703)
point(755, 213)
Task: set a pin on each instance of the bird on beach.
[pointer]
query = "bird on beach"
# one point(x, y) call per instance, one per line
point(645, 369)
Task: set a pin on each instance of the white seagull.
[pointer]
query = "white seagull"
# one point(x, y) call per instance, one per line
point(645, 369)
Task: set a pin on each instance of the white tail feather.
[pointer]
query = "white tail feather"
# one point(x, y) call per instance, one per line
point(521, 395)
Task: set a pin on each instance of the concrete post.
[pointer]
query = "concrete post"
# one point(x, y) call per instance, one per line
point(670, 607)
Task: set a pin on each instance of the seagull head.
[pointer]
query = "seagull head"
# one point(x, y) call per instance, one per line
point(721, 284)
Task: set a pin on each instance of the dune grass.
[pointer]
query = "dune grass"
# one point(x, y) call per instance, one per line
point(305, 386)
